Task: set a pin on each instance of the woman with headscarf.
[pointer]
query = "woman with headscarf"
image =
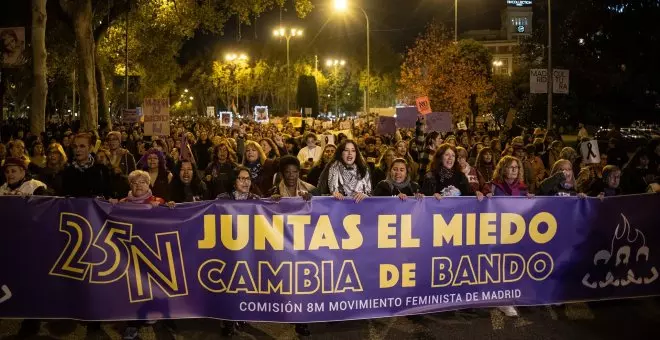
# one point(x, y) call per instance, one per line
point(262, 169)
point(56, 161)
point(154, 163)
point(445, 177)
point(348, 174)
point(17, 182)
point(220, 171)
point(398, 182)
point(383, 166)
point(561, 181)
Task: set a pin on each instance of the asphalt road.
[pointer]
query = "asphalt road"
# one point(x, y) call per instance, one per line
point(620, 320)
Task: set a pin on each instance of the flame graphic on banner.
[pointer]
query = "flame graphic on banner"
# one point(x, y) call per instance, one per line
point(619, 258)
point(6, 293)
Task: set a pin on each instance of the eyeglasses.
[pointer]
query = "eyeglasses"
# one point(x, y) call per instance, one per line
point(513, 167)
point(139, 183)
point(244, 179)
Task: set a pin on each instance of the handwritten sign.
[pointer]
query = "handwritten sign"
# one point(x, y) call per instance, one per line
point(296, 121)
point(538, 81)
point(438, 121)
point(128, 116)
point(424, 105)
point(344, 125)
point(210, 111)
point(406, 117)
point(327, 139)
point(386, 125)
point(156, 113)
point(327, 125)
point(590, 152)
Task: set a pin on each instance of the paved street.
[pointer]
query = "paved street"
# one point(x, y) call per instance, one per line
point(628, 319)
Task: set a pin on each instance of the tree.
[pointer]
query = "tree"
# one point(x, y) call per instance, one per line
point(450, 74)
point(40, 89)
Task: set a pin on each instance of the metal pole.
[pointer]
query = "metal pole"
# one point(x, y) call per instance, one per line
point(366, 106)
point(336, 92)
point(455, 20)
point(550, 74)
point(126, 60)
point(288, 74)
point(73, 87)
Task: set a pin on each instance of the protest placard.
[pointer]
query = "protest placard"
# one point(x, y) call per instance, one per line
point(424, 105)
point(226, 118)
point(406, 117)
point(590, 152)
point(438, 121)
point(156, 113)
point(386, 125)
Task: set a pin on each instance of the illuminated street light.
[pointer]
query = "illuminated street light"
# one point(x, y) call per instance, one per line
point(497, 63)
point(287, 34)
point(191, 97)
point(342, 6)
point(185, 90)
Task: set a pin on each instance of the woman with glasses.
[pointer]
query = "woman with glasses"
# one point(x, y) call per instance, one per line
point(140, 192)
point(242, 188)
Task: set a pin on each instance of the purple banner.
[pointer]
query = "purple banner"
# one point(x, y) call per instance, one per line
point(322, 260)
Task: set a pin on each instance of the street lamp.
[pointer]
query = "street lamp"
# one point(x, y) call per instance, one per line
point(336, 64)
point(235, 59)
point(286, 33)
point(342, 6)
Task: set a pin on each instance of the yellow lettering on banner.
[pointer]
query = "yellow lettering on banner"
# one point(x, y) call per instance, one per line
point(209, 233)
point(407, 240)
point(408, 275)
point(514, 267)
point(70, 263)
point(323, 235)
point(385, 231)
point(488, 264)
point(487, 228)
point(299, 222)
point(441, 274)
point(242, 232)
point(507, 221)
point(470, 229)
point(550, 222)
point(389, 275)
point(348, 278)
point(275, 280)
point(452, 232)
point(354, 240)
point(464, 272)
point(241, 279)
point(206, 273)
point(265, 231)
point(308, 273)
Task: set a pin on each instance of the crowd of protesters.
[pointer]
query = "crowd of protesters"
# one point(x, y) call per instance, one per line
point(200, 160)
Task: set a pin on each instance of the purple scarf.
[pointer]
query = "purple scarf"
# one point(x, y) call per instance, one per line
point(140, 199)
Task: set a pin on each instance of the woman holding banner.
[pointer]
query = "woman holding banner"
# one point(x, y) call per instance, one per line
point(348, 174)
point(398, 182)
point(561, 181)
point(445, 177)
point(262, 169)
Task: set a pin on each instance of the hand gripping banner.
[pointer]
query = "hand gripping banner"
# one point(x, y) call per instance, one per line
point(323, 260)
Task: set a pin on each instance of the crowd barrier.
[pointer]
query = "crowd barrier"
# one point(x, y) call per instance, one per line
point(323, 260)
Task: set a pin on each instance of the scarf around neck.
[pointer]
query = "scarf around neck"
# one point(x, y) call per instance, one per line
point(445, 174)
point(398, 186)
point(86, 165)
point(138, 199)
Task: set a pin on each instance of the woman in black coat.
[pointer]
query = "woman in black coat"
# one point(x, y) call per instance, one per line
point(446, 178)
point(398, 182)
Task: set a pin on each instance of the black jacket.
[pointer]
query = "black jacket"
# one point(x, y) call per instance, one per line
point(434, 184)
point(384, 189)
point(91, 182)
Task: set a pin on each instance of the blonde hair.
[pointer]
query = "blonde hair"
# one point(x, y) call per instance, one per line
point(260, 151)
point(505, 162)
point(558, 164)
point(139, 174)
point(57, 147)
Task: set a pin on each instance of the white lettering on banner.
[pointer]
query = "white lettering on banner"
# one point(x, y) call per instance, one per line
point(6, 294)
point(538, 81)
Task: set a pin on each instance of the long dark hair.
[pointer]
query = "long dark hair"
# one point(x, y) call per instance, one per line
point(359, 160)
point(436, 165)
point(177, 187)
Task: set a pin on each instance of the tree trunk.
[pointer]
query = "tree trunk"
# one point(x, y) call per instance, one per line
point(40, 87)
point(104, 112)
point(80, 12)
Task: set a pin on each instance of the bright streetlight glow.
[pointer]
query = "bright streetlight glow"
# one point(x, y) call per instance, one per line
point(497, 63)
point(185, 90)
point(341, 5)
point(191, 97)
point(235, 57)
point(335, 62)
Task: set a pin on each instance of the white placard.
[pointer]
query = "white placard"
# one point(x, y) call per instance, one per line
point(226, 118)
point(327, 139)
point(156, 116)
point(261, 114)
point(345, 125)
point(538, 81)
point(210, 111)
point(590, 153)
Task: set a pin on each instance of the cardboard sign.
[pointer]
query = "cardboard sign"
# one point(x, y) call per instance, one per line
point(538, 81)
point(386, 125)
point(439, 121)
point(129, 117)
point(296, 121)
point(327, 139)
point(424, 105)
point(308, 112)
point(462, 126)
point(590, 153)
point(156, 116)
point(226, 118)
point(261, 114)
point(406, 117)
point(210, 111)
point(346, 124)
point(327, 125)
